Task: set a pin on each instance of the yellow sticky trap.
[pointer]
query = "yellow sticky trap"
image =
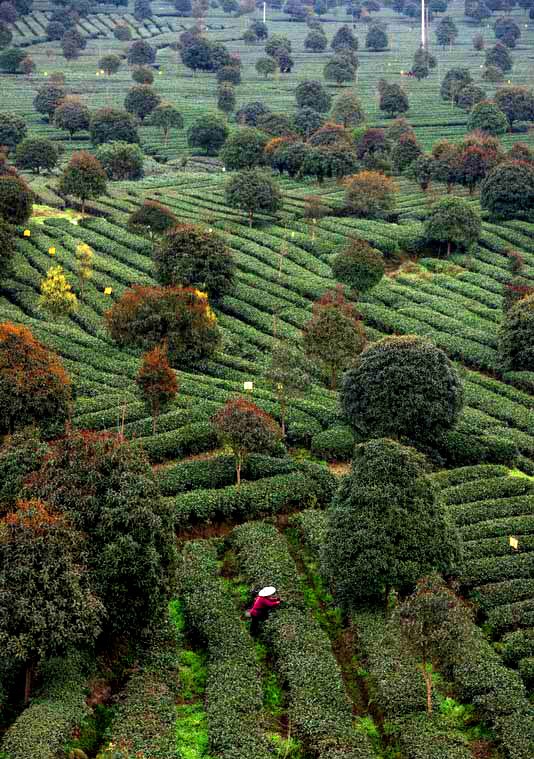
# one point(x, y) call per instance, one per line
point(27, 233)
point(514, 542)
point(108, 290)
point(52, 251)
point(248, 386)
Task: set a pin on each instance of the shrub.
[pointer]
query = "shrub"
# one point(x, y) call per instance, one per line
point(508, 190)
point(358, 265)
point(16, 200)
point(312, 94)
point(112, 125)
point(419, 393)
point(181, 316)
point(141, 53)
point(453, 220)
point(121, 160)
point(362, 557)
point(20, 454)
point(370, 194)
point(208, 132)
point(253, 191)
point(191, 256)
point(141, 100)
point(249, 114)
point(12, 130)
point(517, 336)
point(244, 149)
point(110, 64)
point(72, 116)
point(143, 75)
point(47, 99)
point(334, 444)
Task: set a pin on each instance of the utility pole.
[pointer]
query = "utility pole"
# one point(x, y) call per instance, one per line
point(423, 25)
point(264, 12)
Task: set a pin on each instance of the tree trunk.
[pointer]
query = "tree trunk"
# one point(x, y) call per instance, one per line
point(28, 682)
point(83, 205)
point(333, 378)
point(250, 217)
point(238, 471)
point(282, 403)
point(428, 682)
point(448, 248)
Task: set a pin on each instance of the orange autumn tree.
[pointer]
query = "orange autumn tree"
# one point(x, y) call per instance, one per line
point(156, 381)
point(246, 429)
point(34, 386)
point(46, 602)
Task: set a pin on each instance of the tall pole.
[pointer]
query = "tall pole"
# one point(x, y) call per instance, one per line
point(423, 26)
point(264, 12)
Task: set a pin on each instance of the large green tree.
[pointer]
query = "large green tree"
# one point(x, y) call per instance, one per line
point(358, 265)
point(516, 345)
point(84, 178)
point(402, 387)
point(253, 191)
point(453, 220)
point(106, 489)
point(387, 526)
point(508, 190)
point(16, 200)
point(46, 602)
point(141, 100)
point(192, 256)
point(12, 130)
point(244, 149)
point(208, 132)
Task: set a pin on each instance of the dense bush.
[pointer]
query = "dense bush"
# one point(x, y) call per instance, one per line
point(112, 125)
point(358, 265)
point(121, 160)
point(334, 444)
point(402, 386)
point(508, 190)
point(194, 257)
point(517, 337)
point(387, 525)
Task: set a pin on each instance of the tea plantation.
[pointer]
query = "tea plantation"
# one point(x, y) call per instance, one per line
point(182, 427)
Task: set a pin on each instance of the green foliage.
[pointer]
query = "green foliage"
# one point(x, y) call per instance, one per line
point(84, 177)
point(344, 39)
point(208, 132)
point(166, 117)
point(454, 81)
point(41, 729)
point(10, 60)
point(121, 160)
point(517, 103)
point(312, 94)
point(143, 74)
point(370, 194)
point(140, 53)
point(376, 39)
point(517, 336)
point(20, 454)
point(244, 149)
point(112, 125)
point(141, 101)
point(403, 387)
point(453, 220)
point(508, 190)
point(499, 57)
point(288, 375)
point(253, 191)
point(110, 64)
point(358, 265)
point(34, 154)
point(334, 444)
point(194, 257)
point(47, 99)
point(347, 110)
point(72, 115)
point(265, 66)
point(487, 117)
point(152, 217)
point(12, 130)
point(393, 100)
point(387, 525)
point(108, 492)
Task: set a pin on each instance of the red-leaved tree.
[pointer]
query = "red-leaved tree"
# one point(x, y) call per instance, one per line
point(156, 381)
point(245, 428)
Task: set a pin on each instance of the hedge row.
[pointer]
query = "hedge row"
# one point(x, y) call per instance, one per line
point(469, 514)
point(421, 737)
point(43, 728)
point(188, 440)
point(312, 525)
point(492, 487)
point(145, 719)
point(499, 545)
point(495, 568)
point(318, 705)
point(513, 615)
point(459, 449)
point(313, 485)
point(449, 478)
point(219, 472)
point(234, 696)
point(517, 645)
point(334, 444)
point(501, 593)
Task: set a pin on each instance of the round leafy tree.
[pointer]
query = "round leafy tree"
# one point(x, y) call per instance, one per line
point(40, 617)
point(72, 116)
point(47, 99)
point(508, 190)
point(487, 117)
point(470, 96)
point(492, 74)
point(307, 121)
point(110, 64)
point(507, 31)
point(112, 125)
point(358, 265)
point(107, 490)
point(208, 132)
point(446, 31)
point(376, 39)
point(43, 396)
point(244, 149)
point(312, 94)
point(453, 220)
point(266, 66)
point(253, 191)
point(10, 60)
point(156, 381)
point(347, 110)
point(499, 56)
point(393, 100)
point(517, 337)
point(344, 39)
point(402, 387)
point(315, 41)
point(226, 99)
point(153, 218)
point(7, 249)
point(405, 152)
point(191, 256)
point(180, 316)
point(387, 526)
point(12, 130)
point(16, 200)
point(339, 70)
point(246, 429)
point(143, 74)
point(370, 194)
point(453, 82)
point(249, 114)
point(277, 125)
point(166, 117)
point(121, 160)
point(34, 154)
point(517, 103)
point(84, 178)
point(334, 336)
point(141, 100)
point(140, 53)
point(229, 74)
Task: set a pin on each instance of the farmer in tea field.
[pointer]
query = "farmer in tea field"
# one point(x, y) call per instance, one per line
point(265, 600)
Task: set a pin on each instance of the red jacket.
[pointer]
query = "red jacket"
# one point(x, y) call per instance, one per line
point(262, 605)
